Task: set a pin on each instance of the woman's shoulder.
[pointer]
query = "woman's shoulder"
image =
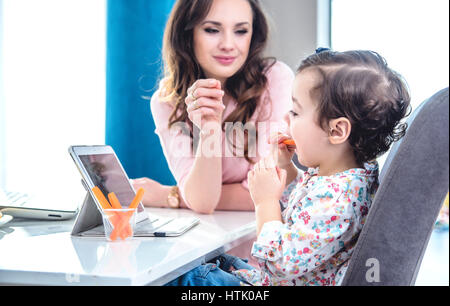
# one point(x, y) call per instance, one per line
point(160, 102)
point(279, 71)
point(280, 78)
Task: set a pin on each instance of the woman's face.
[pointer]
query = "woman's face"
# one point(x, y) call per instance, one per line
point(222, 40)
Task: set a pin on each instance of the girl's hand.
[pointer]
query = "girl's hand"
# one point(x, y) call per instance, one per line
point(266, 182)
point(204, 102)
point(282, 153)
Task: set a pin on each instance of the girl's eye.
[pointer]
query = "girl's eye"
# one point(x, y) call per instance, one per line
point(211, 31)
point(292, 113)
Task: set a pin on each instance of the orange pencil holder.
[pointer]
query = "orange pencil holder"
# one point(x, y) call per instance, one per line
point(119, 224)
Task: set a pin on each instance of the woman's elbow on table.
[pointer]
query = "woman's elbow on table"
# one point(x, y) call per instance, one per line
point(202, 206)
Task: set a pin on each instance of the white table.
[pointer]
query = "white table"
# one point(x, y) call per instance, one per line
point(44, 253)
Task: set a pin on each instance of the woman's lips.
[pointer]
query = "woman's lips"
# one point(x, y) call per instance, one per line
point(225, 60)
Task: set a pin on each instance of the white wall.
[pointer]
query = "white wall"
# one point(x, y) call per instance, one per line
point(53, 66)
point(2, 108)
point(298, 27)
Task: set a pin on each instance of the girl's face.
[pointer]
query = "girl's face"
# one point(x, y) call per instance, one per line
point(222, 40)
point(311, 140)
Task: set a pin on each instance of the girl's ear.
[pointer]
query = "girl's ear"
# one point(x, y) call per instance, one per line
point(339, 130)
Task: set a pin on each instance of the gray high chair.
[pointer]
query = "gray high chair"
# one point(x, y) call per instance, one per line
point(413, 184)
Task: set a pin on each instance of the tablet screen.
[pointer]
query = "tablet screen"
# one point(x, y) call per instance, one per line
point(107, 174)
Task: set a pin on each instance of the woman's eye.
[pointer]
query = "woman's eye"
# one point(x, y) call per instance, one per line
point(242, 32)
point(292, 113)
point(211, 31)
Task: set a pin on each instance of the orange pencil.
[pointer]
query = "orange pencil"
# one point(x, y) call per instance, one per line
point(101, 198)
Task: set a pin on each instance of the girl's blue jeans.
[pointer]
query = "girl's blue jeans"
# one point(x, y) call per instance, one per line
point(215, 273)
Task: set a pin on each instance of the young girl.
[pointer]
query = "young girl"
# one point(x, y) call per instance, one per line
point(347, 109)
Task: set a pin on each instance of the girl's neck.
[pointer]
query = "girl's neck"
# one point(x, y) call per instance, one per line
point(337, 165)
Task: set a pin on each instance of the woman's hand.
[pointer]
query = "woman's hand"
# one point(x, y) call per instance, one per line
point(204, 102)
point(266, 182)
point(155, 193)
point(282, 153)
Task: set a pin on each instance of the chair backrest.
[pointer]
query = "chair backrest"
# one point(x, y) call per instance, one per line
point(413, 185)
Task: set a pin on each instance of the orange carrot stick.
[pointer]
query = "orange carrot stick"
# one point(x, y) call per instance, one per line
point(101, 198)
point(120, 227)
point(289, 142)
point(114, 219)
point(124, 228)
point(119, 222)
point(114, 201)
point(137, 199)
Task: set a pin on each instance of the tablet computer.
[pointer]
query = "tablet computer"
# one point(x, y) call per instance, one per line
point(99, 166)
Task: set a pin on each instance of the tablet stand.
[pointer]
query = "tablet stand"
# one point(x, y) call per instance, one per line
point(88, 217)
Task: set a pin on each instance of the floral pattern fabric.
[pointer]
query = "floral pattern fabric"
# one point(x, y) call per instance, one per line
point(322, 218)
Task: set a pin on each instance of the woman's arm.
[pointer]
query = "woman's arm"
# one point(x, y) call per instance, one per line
point(235, 197)
point(203, 184)
point(204, 190)
point(232, 197)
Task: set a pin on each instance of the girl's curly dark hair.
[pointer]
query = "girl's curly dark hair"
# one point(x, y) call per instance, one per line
point(359, 86)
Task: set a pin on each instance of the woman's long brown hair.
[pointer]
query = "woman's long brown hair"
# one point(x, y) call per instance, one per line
point(181, 69)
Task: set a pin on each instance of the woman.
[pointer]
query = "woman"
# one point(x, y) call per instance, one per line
point(215, 78)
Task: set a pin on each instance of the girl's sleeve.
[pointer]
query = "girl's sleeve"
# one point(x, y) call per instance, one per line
point(319, 227)
point(284, 201)
point(175, 142)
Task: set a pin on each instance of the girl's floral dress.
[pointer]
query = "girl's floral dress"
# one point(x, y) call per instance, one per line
point(322, 218)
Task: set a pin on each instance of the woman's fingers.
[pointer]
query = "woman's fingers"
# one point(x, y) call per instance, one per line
point(206, 92)
point(207, 83)
point(205, 99)
point(205, 103)
point(215, 94)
